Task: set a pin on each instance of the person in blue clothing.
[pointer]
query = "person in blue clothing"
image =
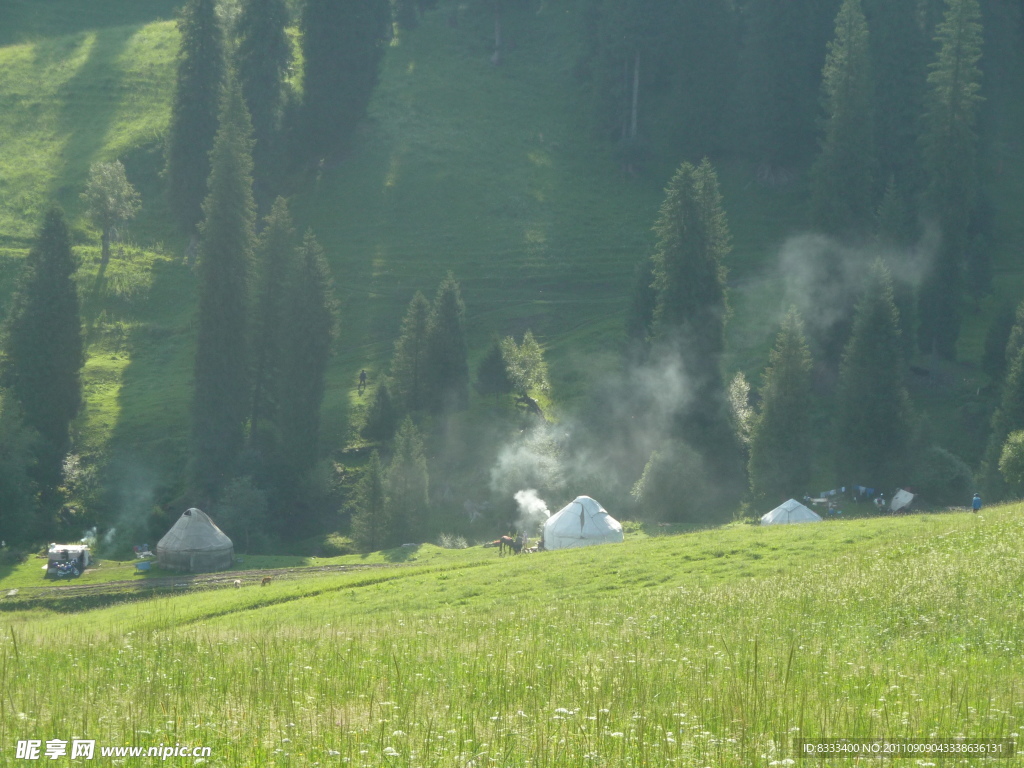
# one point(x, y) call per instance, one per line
point(976, 502)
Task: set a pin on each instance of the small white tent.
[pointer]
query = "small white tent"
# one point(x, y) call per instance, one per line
point(580, 523)
point(791, 511)
point(900, 500)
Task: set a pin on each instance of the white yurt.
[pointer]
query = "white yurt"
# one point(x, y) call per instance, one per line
point(580, 523)
point(195, 544)
point(791, 511)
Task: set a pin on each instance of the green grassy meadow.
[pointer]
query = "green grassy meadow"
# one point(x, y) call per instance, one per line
point(712, 648)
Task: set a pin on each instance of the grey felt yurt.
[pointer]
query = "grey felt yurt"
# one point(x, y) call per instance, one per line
point(196, 544)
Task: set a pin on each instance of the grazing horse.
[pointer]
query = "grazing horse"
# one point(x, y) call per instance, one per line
point(512, 545)
point(505, 542)
point(238, 583)
point(266, 580)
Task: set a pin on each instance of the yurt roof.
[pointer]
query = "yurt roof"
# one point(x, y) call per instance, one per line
point(582, 518)
point(194, 532)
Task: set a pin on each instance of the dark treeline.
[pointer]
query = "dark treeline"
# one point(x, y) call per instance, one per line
point(882, 113)
point(877, 104)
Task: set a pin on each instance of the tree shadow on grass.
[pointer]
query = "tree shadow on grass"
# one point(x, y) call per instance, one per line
point(88, 103)
point(401, 554)
point(26, 20)
point(149, 443)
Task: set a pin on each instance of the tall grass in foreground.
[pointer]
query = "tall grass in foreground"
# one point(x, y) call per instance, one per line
point(913, 640)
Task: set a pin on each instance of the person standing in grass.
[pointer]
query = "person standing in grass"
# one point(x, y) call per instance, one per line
point(976, 502)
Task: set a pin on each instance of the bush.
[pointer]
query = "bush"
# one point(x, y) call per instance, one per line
point(943, 478)
point(332, 545)
point(450, 541)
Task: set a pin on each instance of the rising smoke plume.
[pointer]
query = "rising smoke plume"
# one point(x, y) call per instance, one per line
point(532, 511)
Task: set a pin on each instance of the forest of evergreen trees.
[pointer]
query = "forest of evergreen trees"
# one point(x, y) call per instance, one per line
point(880, 108)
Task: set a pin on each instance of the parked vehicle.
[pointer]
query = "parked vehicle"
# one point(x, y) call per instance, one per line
point(67, 560)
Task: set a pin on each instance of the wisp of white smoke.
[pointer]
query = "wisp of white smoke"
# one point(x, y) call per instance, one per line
point(532, 511)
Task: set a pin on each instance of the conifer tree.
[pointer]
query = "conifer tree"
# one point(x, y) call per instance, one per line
point(873, 407)
point(949, 150)
point(343, 44)
point(624, 38)
point(222, 396)
point(997, 337)
point(491, 374)
point(310, 326)
point(381, 420)
point(407, 484)
point(689, 273)
point(261, 61)
point(843, 175)
point(194, 110)
point(18, 448)
point(1009, 414)
point(895, 222)
point(689, 277)
point(44, 349)
point(640, 315)
point(409, 363)
point(275, 258)
point(406, 13)
point(899, 65)
point(447, 353)
point(371, 523)
point(781, 437)
point(781, 74)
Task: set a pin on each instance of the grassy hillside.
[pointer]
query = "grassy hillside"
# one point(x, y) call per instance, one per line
point(491, 172)
point(713, 648)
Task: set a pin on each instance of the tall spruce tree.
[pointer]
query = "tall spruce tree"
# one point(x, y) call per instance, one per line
point(623, 43)
point(1009, 414)
point(18, 448)
point(409, 362)
point(949, 151)
point(44, 349)
point(381, 419)
point(310, 326)
point(407, 484)
point(194, 110)
point(343, 44)
point(689, 276)
point(275, 257)
point(781, 438)
point(492, 374)
point(843, 186)
point(689, 270)
point(640, 314)
point(222, 397)
point(899, 65)
point(447, 353)
point(261, 61)
point(873, 408)
point(781, 63)
point(371, 521)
